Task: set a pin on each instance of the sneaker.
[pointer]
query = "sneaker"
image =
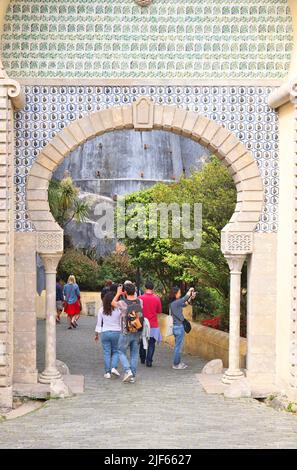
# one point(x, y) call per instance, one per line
point(107, 375)
point(184, 365)
point(179, 366)
point(115, 372)
point(132, 380)
point(149, 364)
point(127, 376)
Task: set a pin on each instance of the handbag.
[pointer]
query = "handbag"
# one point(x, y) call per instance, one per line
point(187, 325)
point(169, 325)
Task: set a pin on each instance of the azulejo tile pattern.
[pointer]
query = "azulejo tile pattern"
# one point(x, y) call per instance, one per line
point(242, 109)
point(167, 39)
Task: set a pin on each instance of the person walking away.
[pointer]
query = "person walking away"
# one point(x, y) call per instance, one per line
point(151, 307)
point(59, 299)
point(131, 328)
point(108, 324)
point(72, 301)
point(176, 305)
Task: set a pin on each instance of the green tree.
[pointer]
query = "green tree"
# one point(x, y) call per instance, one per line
point(166, 258)
point(64, 202)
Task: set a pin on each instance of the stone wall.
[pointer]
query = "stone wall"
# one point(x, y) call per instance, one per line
point(91, 302)
point(24, 334)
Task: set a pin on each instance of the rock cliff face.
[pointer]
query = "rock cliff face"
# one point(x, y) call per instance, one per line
point(120, 162)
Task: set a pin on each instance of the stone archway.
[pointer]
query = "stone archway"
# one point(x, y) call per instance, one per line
point(143, 114)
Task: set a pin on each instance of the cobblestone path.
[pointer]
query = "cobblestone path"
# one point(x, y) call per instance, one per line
point(164, 409)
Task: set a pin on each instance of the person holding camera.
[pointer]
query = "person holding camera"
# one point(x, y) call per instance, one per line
point(131, 327)
point(176, 305)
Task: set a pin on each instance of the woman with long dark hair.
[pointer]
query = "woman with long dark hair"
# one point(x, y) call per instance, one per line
point(176, 305)
point(108, 324)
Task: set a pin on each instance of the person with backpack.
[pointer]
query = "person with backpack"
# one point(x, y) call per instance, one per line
point(72, 305)
point(176, 305)
point(108, 324)
point(151, 307)
point(131, 329)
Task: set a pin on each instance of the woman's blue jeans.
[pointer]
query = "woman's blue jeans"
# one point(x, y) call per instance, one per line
point(110, 340)
point(179, 334)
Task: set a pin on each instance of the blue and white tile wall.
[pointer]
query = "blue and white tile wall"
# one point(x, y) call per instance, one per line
point(242, 109)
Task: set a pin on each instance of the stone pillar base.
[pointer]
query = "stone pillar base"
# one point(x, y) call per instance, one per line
point(231, 376)
point(46, 377)
point(6, 397)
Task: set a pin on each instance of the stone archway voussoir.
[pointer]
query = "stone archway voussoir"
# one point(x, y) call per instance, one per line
point(209, 132)
point(200, 126)
point(168, 117)
point(189, 123)
point(107, 120)
point(87, 128)
point(178, 120)
point(158, 116)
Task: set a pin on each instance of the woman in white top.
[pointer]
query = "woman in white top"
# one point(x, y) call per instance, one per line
point(108, 324)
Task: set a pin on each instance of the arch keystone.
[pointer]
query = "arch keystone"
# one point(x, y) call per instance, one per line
point(143, 113)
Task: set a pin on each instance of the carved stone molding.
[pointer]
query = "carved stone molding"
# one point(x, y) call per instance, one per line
point(50, 242)
point(237, 242)
point(14, 92)
point(143, 3)
point(143, 113)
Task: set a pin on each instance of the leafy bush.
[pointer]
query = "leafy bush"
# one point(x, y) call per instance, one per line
point(85, 270)
point(118, 267)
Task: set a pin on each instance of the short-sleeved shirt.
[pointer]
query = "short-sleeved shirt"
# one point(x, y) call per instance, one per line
point(71, 293)
point(151, 307)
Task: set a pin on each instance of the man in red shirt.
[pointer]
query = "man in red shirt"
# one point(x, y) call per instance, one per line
point(151, 307)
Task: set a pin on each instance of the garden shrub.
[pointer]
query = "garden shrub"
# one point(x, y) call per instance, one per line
point(85, 270)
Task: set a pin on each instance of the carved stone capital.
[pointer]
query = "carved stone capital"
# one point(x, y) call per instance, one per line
point(235, 263)
point(237, 242)
point(51, 262)
point(50, 242)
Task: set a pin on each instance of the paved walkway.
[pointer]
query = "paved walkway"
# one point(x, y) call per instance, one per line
point(164, 409)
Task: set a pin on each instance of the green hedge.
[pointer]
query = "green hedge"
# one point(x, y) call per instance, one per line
point(85, 270)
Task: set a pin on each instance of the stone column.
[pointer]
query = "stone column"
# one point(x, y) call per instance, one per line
point(233, 372)
point(50, 372)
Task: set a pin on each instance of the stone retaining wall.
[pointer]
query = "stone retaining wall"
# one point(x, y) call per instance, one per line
point(206, 342)
point(91, 302)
